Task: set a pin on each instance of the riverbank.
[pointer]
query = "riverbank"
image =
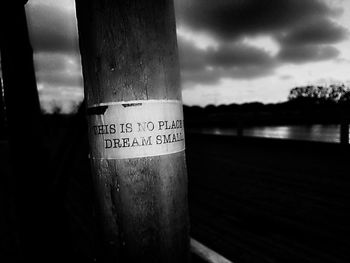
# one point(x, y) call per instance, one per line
point(258, 114)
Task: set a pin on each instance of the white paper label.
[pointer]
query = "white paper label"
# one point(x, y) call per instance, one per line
point(136, 129)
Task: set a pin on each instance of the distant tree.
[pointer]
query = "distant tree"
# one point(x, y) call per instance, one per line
point(320, 95)
point(345, 98)
point(337, 92)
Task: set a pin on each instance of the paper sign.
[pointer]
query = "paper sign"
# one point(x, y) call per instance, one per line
point(135, 129)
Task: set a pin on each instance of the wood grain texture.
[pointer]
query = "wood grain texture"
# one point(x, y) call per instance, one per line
point(132, 50)
point(129, 52)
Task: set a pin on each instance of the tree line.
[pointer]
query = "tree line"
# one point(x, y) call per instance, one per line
point(333, 94)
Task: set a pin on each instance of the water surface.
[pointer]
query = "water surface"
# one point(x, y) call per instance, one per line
point(316, 132)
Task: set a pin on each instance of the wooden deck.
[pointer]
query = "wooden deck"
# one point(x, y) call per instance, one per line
point(257, 200)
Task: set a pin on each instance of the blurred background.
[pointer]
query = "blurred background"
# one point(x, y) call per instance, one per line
point(291, 56)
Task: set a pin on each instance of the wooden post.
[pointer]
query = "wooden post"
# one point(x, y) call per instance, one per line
point(133, 97)
point(23, 115)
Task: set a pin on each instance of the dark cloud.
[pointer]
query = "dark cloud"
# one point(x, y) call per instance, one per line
point(61, 79)
point(214, 75)
point(204, 76)
point(238, 54)
point(315, 31)
point(227, 55)
point(58, 69)
point(45, 61)
point(304, 30)
point(307, 53)
point(229, 19)
point(191, 57)
point(52, 29)
point(235, 60)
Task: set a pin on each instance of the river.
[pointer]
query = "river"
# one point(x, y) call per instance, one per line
point(316, 132)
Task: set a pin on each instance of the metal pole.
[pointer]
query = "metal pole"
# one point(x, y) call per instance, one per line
point(135, 122)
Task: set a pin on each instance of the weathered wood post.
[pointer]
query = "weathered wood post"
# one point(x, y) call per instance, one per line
point(24, 129)
point(135, 122)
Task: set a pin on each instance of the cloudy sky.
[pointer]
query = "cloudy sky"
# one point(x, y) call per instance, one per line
point(231, 51)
